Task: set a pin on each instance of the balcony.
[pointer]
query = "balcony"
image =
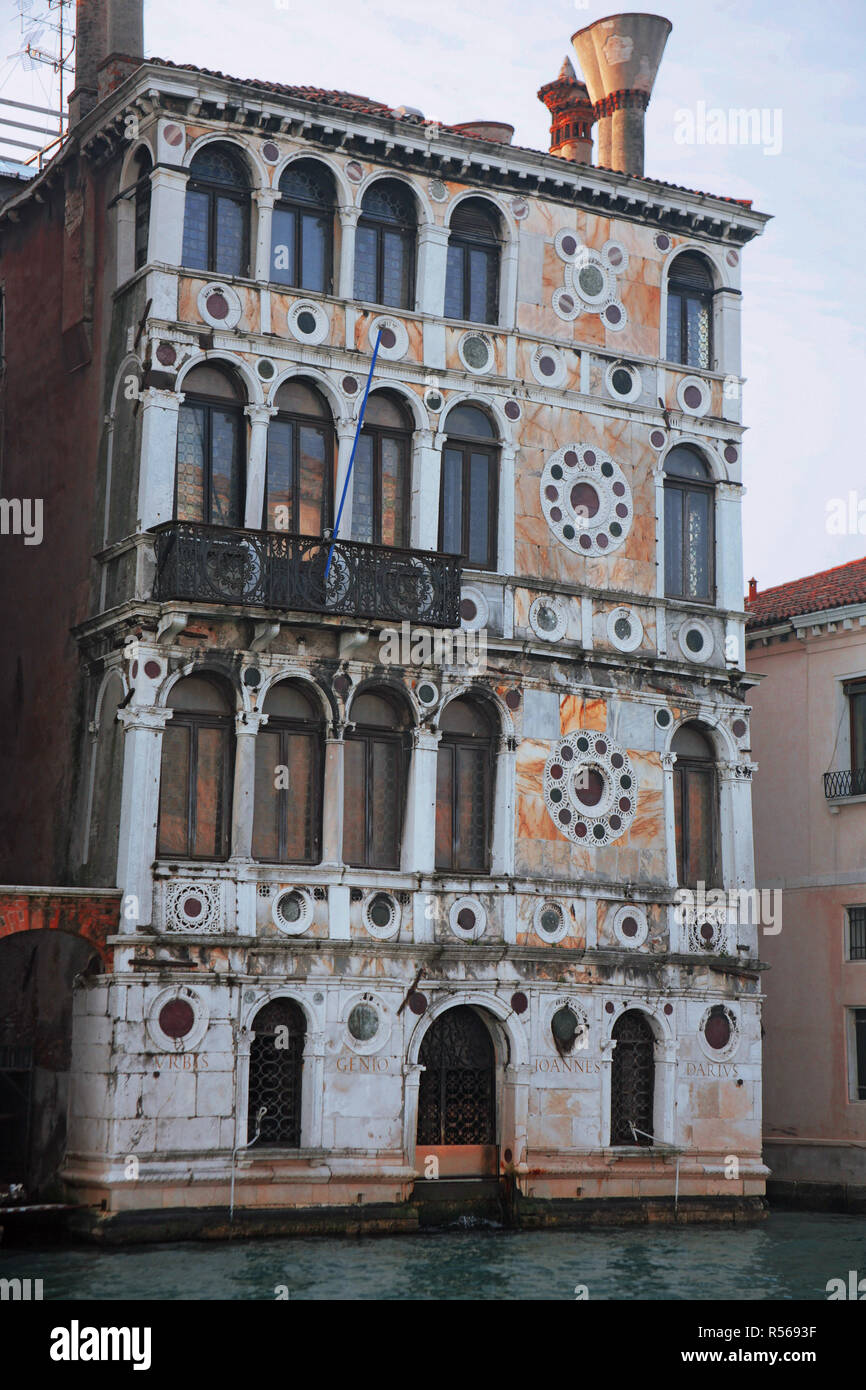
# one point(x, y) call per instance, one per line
point(849, 782)
point(273, 569)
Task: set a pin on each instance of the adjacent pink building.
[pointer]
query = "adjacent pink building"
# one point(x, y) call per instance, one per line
point(807, 642)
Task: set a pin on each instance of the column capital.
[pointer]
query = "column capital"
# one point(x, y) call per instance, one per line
point(736, 772)
point(426, 740)
point(249, 721)
point(423, 438)
point(164, 400)
point(259, 414)
point(144, 717)
point(349, 213)
point(432, 232)
point(265, 197)
point(668, 760)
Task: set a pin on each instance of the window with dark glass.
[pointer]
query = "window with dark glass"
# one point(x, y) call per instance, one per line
point(196, 772)
point(860, 1052)
point(380, 477)
point(211, 448)
point(690, 311)
point(276, 1073)
point(287, 815)
point(385, 246)
point(143, 166)
point(695, 809)
point(376, 762)
point(857, 933)
point(302, 228)
point(469, 493)
point(464, 779)
point(472, 276)
point(689, 525)
point(856, 694)
point(217, 213)
point(632, 1081)
point(298, 491)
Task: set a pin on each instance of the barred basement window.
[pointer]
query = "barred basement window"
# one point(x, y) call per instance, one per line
point(632, 1080)
point(464, 779)
point(695, 808)
point(287, 818)
point(469, 497)
point(211, 439)
point(857, 933)
point(376, 763)
point(472, 275)
point(690, 311)
point(276, 1074)
point(380, 481)
point(195, 790)
point(303, 223)
point(689, 526)
point(217, 213)
point(385, 246)
point(298, 492)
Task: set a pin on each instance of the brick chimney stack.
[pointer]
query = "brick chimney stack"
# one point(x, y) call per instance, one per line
point(104, 29)
point(753, 588)
point(572, 116)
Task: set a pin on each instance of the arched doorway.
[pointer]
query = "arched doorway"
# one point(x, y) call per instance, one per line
point(633, 1080)
point(276, 1068)
point(457, 1094)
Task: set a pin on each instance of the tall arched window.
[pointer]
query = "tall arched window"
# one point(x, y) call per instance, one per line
point(690, 311)
point(276, 1074)
point(385, 246)
point(470, 486)
point(287, 820)
point(632, 1081)
point(196, 774)
point(211, 449)
point(472, 277)
point(376, 764)
point(464, 785)
point(143, 167)
point(300, 465)
point(689, 526)
point(696, 808)
point(217, 213)
point(302, 229)
point(381, 483)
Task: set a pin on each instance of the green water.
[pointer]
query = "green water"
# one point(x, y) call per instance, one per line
point(788, 1256)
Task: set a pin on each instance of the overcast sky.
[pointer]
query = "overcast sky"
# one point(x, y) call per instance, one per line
point(803, 281)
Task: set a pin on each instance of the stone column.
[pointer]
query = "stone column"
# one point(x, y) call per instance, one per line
point(505, 540)
point(426, 484)
point(158, 456)
point(167, 206)
point(432, 262)
point(411, 1086)
point(264, 199)
point(737, 850)
point(259, 417)
point(139, 808)
point(247, 726)
point(502, 856)
point(332, 816)
point(345, 439)
point(676, 933)
point(664, 1104)
point(729, 548)
point(419, 835)
point(607, 1050)
point(345, 286)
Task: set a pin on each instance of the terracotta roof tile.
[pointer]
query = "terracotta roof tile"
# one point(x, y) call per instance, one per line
point(828, 589)
point(351, 101)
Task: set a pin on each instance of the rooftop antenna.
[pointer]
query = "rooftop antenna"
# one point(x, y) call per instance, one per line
point(48, 40)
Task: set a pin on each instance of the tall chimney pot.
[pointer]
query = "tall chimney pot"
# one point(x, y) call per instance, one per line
point(103, 29)
point(619, 57)
point(571, 116)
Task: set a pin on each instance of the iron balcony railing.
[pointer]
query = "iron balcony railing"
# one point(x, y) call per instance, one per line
point(273, 569)
point(850, 782)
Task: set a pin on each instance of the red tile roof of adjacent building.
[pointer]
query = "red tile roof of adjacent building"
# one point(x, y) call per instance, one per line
point(351, 101)
point(828, 589)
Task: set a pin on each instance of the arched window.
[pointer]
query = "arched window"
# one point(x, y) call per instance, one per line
point(457, 1093)
point(470, 486)
point(690, 311)
point(464, 784)
point(302, 228)
point(300, 462)
point(217, 213)
point(472, 277)
point(632, 1081)
point(143, 167)
point(276, 1074)
point(689, 525)
point(385, 246)
point(196, 776)
point(376, 763)
point(287, 819)
point(211, 440)
point(695, 808)
point(380, 497)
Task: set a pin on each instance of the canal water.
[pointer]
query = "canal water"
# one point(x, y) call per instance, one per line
point(789, 1256)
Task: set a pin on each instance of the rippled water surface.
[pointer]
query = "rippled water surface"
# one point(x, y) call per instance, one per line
point(791, 1255)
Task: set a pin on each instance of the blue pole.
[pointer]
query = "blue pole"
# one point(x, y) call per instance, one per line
point(352, 456)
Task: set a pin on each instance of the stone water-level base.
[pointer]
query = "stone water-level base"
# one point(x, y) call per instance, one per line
point(449, 1209)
